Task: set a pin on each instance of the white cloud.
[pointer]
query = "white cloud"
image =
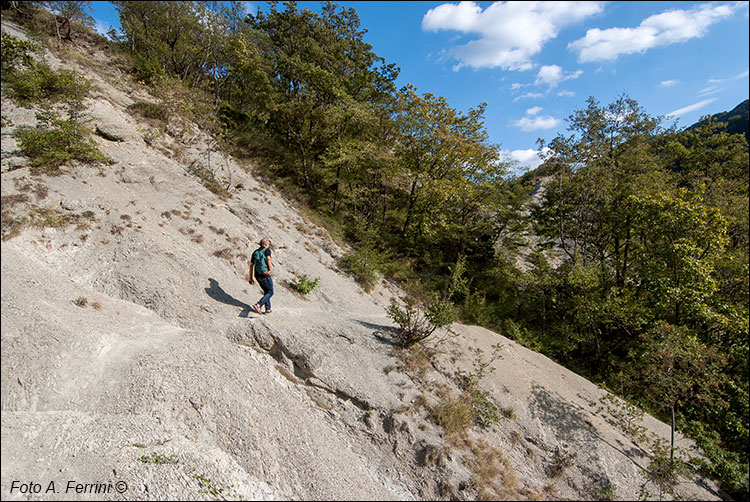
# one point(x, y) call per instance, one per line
point(102, 27)
point(552, 75)
point(510, 33)
point(736, 77)
point(527, 159)
point(669, 27)
point(690, 108)
point(534, 110)
point(530, 95)
point(711, 89)
point(566, 94)
point(668, 83)
point(530, 123)
point(549, 74)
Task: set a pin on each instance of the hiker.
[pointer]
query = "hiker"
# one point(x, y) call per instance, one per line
point(261, 268)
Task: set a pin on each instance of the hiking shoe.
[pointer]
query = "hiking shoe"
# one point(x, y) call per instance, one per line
point(268, 311)
point(256, 308)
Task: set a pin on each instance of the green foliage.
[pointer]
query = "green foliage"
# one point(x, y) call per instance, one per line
point(67, 13)
point(154, 111)
point(561, 460)
point(218, 492)
point(305, 285)
point(55, 142)
point(416, 321)
point(158, 459)
point(41, 84)
point(362, 265)
point(473, 406)
point(81, 301)
point(17, 53)
point(651, 224)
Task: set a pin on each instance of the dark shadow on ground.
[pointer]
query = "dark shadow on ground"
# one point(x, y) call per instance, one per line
point(571, 423)
point(383, 333)
point(218, 294)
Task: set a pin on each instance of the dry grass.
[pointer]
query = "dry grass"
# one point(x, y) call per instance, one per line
point(454, 415)
point(224, 253)
point(493, 477)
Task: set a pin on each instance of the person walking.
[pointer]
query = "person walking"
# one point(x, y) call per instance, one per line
point(261, 268)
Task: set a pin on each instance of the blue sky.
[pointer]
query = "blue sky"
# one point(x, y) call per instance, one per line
point(534, 63)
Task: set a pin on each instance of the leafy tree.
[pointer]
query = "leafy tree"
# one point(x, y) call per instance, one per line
point(321, 81)
point(677, 368)
point(66, 13)
point(166, 37)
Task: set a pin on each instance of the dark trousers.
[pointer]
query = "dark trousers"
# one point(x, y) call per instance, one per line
point(266, 283)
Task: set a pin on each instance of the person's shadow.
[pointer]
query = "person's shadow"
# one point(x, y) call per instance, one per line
point(218, 294)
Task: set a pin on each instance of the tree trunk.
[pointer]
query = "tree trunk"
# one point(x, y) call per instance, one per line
point(671, 450)
point(410, 209)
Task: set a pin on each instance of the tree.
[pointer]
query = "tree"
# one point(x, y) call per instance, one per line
point(66, 12)
point(449, 168)
point(676, 369)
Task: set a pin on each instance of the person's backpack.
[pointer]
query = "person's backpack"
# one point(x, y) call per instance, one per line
point(259, 259)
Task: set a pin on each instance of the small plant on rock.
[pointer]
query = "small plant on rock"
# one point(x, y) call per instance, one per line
point(159, 459)
point(305, 285)
point(208, 487)
point(561, 460)
point(416, 321)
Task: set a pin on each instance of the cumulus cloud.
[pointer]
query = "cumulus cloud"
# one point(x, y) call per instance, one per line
point(526, 159)
point(510, 33)
point(534, 110)
point(532, 122)
point(690, 108)
point(552, 75)
point(669, 27)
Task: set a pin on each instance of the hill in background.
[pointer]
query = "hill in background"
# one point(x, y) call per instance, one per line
point(737, 120)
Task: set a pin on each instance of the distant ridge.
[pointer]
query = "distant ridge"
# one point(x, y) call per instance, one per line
point(738, 120)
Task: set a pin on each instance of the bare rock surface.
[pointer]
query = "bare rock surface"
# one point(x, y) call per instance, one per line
point(133, 366)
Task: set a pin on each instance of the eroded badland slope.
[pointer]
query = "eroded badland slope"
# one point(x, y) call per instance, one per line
point(130, 354)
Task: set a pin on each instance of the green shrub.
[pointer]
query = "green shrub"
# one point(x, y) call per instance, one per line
point(154, 111)
point(41, 84)
point(417, 322)
point(148, 70)
point(361, 264)
point(485, 410)
point(53, 144)
point(305, 285)
point(16, 52)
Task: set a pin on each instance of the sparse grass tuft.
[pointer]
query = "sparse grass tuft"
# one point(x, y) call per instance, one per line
point(158, 459)
point(561, 460)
